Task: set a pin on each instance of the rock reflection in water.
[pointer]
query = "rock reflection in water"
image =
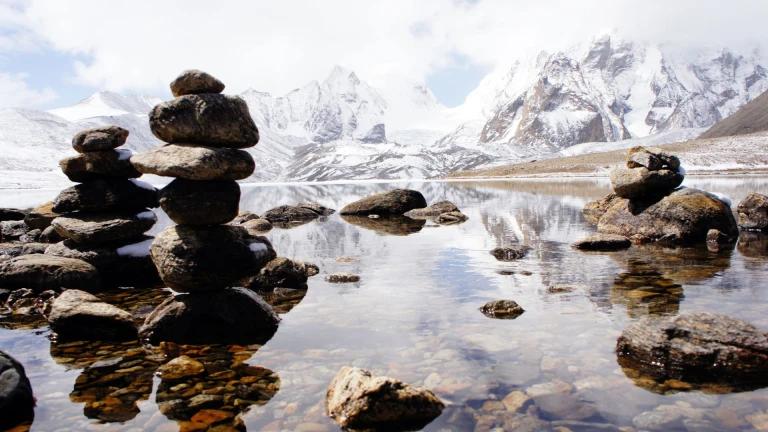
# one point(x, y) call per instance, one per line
point(645, 292)
point(391, 225)
point(753, 245)
point(283, 300)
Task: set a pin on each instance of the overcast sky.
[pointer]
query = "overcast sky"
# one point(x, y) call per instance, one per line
point(54, 52)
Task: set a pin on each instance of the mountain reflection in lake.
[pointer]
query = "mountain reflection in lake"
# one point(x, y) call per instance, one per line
point(414, 316)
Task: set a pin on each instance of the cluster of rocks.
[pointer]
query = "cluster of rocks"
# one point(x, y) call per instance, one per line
point(202, 258)
point(103, 219)
point(647, 206)
point(17, 404)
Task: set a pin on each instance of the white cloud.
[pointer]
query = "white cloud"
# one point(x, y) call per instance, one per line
point(14, 91)
point(276, 46)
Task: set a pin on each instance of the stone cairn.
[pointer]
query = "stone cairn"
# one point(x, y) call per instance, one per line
point(201, 257)
point(103, 218)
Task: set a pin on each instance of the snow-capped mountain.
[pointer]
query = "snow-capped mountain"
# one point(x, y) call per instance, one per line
point(605, 91)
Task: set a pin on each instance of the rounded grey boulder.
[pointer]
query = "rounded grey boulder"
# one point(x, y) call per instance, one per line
point(394, 202)
point(44, 272)
point(200, 202)
point(17, 403)
point(99, 138)
point(77, 315)
point(86, 228)
point(208, 119)
point(234, 315)
point(194, 81)
point(191, 259)
point(193, 162)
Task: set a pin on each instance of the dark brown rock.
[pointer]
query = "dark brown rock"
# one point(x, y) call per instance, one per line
point(754, 245)
point(510, 253)
point(257, 226)
point(504, 309)
point(44, 272)
point(92, 228)
point(206, 119)
point(432, 211)
point(638, 182)
point(17, 404)
point(125, 264)
point(12, 230)
point(99, 139)
point(106, 164)
point(193, 81)
point(357, 399)
point(41, 217)
point(389, 225)
point(451, 218)
point(194, 162)
point(234, 315)
point(49, 235)
point(317, 208)
point(342, 278)
point(602, 242)
point(717, 240)
point(683, 217)
point(77, 315)
point(200, 202)
point(191, 259)
point(594, 210)
point(697, 348)
point(105, 195)
point(283, 272)
point(11, 214)
point(32, 236)
point(394, 202)
point(753, 212)
point(638, 157)
point(286, 214)
point(244, 216)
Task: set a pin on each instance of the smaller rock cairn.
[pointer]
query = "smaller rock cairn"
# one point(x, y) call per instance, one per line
point(103, 219)
point(201, 257)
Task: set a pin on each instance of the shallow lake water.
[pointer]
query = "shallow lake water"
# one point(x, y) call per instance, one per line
point(414, 316)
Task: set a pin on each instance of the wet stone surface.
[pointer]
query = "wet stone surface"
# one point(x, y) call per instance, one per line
point(413, 316)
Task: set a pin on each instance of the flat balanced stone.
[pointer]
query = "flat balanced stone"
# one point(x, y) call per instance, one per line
point(77, 315)
point(697, 348)
point(234, 315)
point(17, 403)
point(602, 242)
point(394, 202)
point(357, 399)
point(104, 195)
point(99, 165)
point(122, 264)
point(637, 182)
point(207, 119)
point(41, 217)
point(44, 272)
point(201, 202)
point(194, 162)
point(753, 212)
point(191, 259)
point(99, 138)
point(194, 81)
point(84, 227)
point(682, 217)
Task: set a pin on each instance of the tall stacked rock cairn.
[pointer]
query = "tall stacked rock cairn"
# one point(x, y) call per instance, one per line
point(201, 258)
point(103, 218)
point(648, 206)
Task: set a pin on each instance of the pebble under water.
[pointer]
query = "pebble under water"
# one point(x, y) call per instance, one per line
point(414, 315)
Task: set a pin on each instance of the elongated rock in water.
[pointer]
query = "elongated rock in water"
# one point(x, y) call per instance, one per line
point(394, 202)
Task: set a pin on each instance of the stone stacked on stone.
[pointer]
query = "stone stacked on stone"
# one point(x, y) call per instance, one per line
point(201, 256)
point(103, 219)
point(647, 206)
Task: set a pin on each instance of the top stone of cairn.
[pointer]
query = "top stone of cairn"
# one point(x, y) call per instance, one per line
point(99, 139)
point(193, 81)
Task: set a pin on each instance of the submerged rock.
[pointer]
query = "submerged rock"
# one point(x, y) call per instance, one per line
point(283, 272)
point(753, 212)
point(286, 214)
point(200, 202)
point(257, 226)
point(359, 400)
point(342, 278)
point(17, 404)
point(99, 138)
point(504, 309)
point(44, 272)
point(394, 202)
point(234, 315)
point(753, 245)
point(510, 253)
point(602, 242)
point(77, 315)
point(682, 217)
point(697, 348)
point(451, 218)
point(106, 195)
point(433, 211)
point(191, 259)
point(194, 162)
point(594, 210)
point(181, 367)
point(194, 81)
point(208, 119)
point(391, 225)
point(99, 165)
point(41, 217)
point(317, 208)
point(89, 228)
